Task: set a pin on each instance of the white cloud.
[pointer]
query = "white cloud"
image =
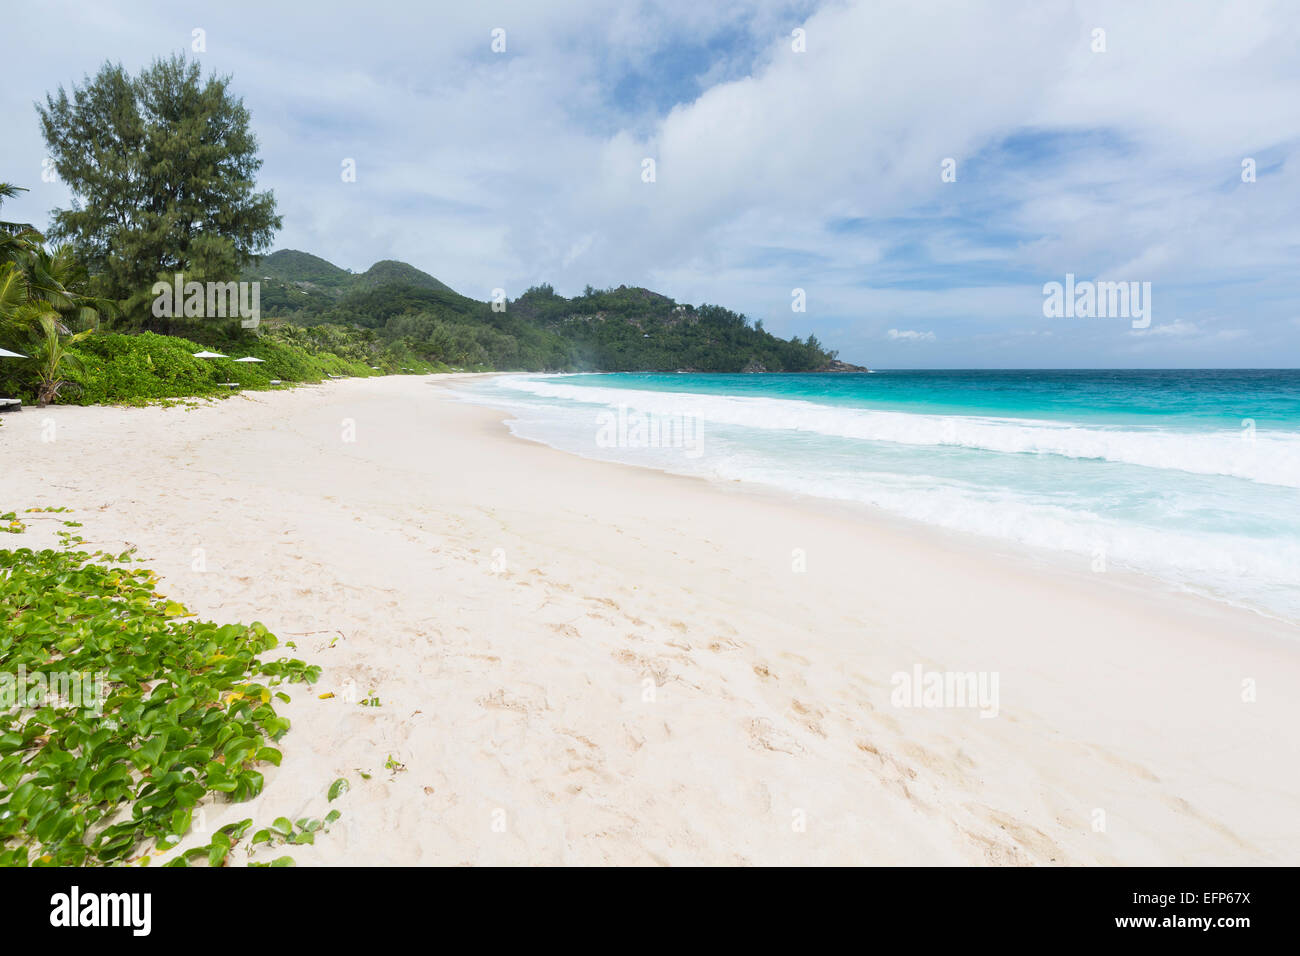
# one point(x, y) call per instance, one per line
point(507, 170)
point(1179, 329)
point(909, 335)
point(1175, 329)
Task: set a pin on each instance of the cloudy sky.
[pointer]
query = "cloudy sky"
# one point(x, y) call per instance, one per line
point(783, 161)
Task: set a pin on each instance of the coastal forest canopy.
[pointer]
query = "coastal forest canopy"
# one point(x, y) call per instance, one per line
point(622, 329)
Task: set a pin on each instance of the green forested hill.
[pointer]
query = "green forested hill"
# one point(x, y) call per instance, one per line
point(289, 265)
point(392, 272)
point(623, 329)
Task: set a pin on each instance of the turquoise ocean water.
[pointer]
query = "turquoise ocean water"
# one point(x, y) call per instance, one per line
point(1191, 476)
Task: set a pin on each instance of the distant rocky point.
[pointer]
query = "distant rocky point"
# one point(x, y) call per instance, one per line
point(835, 365)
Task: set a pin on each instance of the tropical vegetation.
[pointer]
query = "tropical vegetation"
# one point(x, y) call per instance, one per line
point(162, 168)
point(120, 712)
point(622, 329)
point(38, 304)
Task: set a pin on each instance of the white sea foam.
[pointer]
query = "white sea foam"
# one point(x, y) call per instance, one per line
point(1269, 458)
point(1189, 523)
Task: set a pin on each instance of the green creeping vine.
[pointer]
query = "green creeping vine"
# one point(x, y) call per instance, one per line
point(176, 710)
point(217, 852)
point(280, 832)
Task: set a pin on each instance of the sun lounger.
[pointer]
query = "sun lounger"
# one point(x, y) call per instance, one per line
point(11, 404)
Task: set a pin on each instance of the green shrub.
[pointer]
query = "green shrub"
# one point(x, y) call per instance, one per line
point(139, 368)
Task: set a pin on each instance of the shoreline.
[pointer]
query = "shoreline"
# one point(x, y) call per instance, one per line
point(523, 689)
point(1022, 556)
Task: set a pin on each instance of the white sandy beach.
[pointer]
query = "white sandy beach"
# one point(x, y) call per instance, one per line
point(587, 663)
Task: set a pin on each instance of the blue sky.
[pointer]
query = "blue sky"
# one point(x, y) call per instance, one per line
point(776, 169)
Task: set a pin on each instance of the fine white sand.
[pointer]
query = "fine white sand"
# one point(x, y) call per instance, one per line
point(585, 663)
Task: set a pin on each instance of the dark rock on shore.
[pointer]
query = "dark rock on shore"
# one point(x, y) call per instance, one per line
point(835, 365)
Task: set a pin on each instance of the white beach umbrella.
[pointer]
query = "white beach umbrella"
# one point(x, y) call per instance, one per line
point(250, 358)
point(209, 355)
point(5, 353)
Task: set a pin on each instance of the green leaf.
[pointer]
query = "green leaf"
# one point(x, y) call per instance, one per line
point(181, 821)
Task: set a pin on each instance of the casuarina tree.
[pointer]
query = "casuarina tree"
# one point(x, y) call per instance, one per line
point(162, 169)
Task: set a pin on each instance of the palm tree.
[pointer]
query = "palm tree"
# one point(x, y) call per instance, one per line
point(9, 191)
point(49, 277)
point(15, 321)
point(37, 306)
point(52, 357)
point(16, 238)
